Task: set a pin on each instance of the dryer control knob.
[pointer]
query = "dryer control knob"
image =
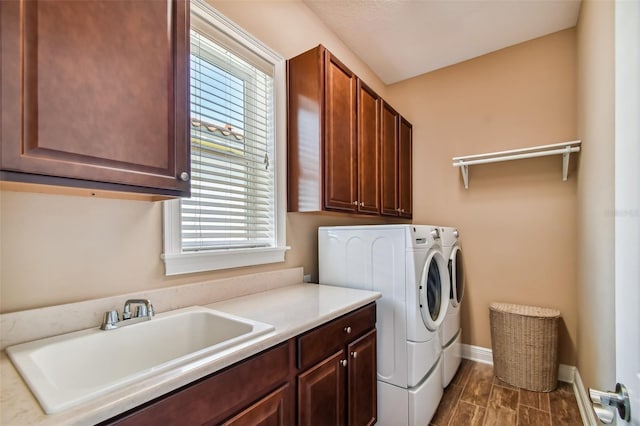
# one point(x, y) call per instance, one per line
point(456, 233)
point(435, 234)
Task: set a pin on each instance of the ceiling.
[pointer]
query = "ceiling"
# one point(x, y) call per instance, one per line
point(400, 39)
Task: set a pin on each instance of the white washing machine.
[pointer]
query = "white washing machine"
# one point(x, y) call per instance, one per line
point(451, 331)
point(405, 264)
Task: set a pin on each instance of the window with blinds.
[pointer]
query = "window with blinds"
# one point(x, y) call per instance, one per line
point(232, 142)
point(236, 215)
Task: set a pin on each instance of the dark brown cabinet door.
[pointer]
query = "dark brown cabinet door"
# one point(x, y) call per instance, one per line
point(389, 160)
point(305, 88)
point(362, 384)
point(96, 91)
point(340, 192)
point(272, 410)
point(321, 390)
point(405, 171)
point(368, 150)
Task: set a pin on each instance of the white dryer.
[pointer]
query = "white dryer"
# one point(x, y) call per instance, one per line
point(405, 264)
point(451, 331)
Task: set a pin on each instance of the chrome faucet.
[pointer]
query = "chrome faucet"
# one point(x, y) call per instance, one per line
point(144, 312)
point(144, 309)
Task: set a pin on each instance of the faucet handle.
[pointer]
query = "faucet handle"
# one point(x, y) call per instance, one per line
point(110, 320)
point(144, 310)
point(141, 311)
point(126, 312)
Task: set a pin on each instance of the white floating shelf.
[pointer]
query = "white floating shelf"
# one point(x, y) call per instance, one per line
point(564, 148)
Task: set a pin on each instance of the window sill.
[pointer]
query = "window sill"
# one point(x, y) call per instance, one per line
point(186, 263)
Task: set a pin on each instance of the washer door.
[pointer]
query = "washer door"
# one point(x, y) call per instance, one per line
point(456, 273)
point(434, 290)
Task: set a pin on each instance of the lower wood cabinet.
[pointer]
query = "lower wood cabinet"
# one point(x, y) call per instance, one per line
point(258, 387)
point(321, 393)
point(340, 388)
point(326, 376)
point(362, 391)
point(273, 409)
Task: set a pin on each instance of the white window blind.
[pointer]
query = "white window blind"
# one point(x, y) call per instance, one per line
point(237, 213)
point(232, 149)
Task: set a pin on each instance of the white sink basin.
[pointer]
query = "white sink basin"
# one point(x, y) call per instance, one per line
point(69, 369)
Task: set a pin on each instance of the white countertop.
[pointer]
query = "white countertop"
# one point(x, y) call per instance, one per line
point(292, 310)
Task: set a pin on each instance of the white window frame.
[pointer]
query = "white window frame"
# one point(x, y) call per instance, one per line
point(177, 261)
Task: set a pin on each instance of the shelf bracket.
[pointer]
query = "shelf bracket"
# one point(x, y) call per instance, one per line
point(565, 163)
point(464, 169)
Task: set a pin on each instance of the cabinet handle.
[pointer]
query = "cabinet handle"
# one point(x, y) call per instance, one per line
point(343, 362)
point(355, 203)
point(347, 330)
point(184, 176)
point(354, 354)
point(361, 203)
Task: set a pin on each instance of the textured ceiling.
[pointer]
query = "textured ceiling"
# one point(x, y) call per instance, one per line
point(400, 39)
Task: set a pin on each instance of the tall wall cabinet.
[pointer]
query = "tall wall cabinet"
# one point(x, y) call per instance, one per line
point(342, 155)
point(95, 94)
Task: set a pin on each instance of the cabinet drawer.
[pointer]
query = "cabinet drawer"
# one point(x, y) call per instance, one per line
point(328, 338)
point(219, 396)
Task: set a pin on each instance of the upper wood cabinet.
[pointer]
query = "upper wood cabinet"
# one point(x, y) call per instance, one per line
point(96, 94)
point(322, 148)
point(389, 176)
point(397, 174)
point(342, 145)
point(340, 150)
point(405, 170)
point(368, 150)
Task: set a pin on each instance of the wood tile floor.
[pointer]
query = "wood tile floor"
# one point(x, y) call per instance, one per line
point(476, 397)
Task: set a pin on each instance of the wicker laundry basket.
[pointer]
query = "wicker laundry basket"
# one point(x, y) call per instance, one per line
point(525, 345)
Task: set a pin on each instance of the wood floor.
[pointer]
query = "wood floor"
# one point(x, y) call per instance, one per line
point(476, 397)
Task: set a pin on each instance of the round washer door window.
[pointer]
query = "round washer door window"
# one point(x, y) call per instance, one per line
point(434, 290)
point(456, 272)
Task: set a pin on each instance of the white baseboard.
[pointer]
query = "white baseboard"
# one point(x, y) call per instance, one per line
point(584, 403)
point(566, 373)
point(477, 353)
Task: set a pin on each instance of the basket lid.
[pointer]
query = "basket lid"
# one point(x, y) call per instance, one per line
point(529, 311)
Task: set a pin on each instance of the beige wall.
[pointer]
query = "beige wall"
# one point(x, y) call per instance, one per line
point(290, 28)
point(517, 220)
point(596, 335)
point(58, 249)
